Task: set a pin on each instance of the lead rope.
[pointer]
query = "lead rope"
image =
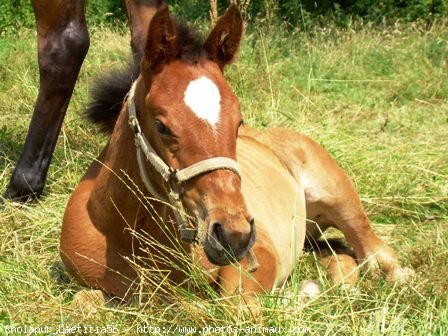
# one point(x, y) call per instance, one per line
point(187, 233)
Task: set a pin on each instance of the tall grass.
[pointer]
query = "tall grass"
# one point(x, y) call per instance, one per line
point(375, 98)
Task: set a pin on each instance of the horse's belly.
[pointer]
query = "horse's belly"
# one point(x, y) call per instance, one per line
point(276, 201)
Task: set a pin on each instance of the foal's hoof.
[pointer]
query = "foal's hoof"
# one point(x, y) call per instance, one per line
point(309, 290)
point(245, 306)
point(88, 301)
point(400, 275)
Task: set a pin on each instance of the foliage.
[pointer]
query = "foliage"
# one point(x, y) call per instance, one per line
point(105, 11)
point(15, 13)
point(343, 11)
point(18, 13)
point(303, 13)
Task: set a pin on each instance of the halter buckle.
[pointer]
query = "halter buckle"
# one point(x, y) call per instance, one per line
point(189, 236)
point(173, 182)
point(135, 125)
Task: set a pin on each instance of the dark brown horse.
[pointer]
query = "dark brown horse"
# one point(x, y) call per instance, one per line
point(63, 41)
point(179, 143)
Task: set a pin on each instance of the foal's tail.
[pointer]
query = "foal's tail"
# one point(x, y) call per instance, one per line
point(108, 95)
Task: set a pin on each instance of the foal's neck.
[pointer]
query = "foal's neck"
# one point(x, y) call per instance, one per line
point(119, 190)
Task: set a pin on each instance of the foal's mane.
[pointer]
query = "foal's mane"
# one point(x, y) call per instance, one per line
point(110, 90)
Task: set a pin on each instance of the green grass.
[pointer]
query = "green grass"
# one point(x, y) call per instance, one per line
point(377, 99)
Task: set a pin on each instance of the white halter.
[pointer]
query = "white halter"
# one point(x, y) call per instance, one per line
point(174, 178)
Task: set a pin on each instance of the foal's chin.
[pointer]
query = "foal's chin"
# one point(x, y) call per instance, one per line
point(224, 256)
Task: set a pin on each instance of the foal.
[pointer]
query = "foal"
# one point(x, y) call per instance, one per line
point(253, 195)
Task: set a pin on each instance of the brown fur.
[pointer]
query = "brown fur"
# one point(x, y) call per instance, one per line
point(289, 184)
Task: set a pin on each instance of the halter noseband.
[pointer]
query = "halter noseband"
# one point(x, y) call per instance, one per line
point(171, 176)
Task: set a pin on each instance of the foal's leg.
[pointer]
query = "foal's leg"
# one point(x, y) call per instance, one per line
point(235, 282)
point(358, 232)
point(332, 201)
point(63, 41)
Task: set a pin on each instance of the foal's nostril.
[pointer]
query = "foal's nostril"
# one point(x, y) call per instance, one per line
point(229, 241)
point(217, 235)
point(217, 231)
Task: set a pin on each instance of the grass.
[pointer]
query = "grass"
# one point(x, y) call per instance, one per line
point(377, 99)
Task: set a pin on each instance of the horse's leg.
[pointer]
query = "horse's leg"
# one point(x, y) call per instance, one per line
point(140, 13)
point(63, 42)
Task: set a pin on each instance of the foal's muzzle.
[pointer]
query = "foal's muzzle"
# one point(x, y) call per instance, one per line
point(225, 243)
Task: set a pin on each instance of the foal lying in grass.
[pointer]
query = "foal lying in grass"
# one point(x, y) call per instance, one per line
point(225, 193)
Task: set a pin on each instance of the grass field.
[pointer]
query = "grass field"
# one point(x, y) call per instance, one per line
point(376, 98)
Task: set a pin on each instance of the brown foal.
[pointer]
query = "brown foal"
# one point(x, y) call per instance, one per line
point(247, 194)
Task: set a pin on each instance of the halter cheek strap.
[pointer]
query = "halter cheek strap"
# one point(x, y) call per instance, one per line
point(171, 176)
point(174, 178)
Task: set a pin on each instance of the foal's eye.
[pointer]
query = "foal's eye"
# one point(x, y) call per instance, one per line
point(162, 129)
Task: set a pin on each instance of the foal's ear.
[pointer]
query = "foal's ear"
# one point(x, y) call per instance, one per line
point(160, 44)
point(222, 43)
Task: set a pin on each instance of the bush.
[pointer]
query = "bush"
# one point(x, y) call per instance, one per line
point(342, 11)
point(16, 13)
point(19, 13)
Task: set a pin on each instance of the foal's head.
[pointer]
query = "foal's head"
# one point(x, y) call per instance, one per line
point(189, 113)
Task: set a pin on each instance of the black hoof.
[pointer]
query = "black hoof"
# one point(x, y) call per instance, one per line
point(21, 195)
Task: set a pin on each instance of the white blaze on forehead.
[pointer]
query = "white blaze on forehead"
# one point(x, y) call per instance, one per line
point(203, 98)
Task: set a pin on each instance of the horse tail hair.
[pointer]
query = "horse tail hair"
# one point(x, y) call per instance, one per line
point(107, 97)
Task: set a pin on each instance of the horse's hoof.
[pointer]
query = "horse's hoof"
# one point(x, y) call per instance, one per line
point(350, 290)
point(24, 187)
point(309, 290)
point(18, 196)
point(253, 308)
point(245, 306)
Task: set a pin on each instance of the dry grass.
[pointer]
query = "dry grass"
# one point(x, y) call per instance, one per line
point(376, 99)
